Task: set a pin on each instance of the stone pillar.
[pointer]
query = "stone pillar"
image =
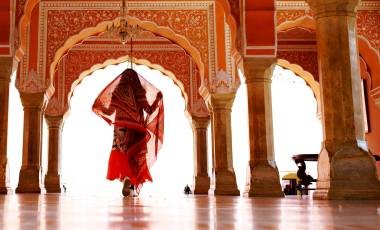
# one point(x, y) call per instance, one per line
point(201, 178)
point(53, 176)
point(263, 178)
point(224, 179)
point(30, 179)
point(5, 77)
point(345, 171)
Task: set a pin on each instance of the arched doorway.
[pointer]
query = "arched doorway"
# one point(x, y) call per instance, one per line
point(86, 148)
point(296, 125)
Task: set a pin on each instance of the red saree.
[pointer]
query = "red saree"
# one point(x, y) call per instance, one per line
point(135, 108)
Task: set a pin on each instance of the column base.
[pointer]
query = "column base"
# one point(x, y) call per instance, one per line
point(4, 180)
point(263, 181)
point(346, 194)
point(201, 184)
point(53, 183)
point(30, 181)
point(6, 190)
point(225, 184)
point(352, 176)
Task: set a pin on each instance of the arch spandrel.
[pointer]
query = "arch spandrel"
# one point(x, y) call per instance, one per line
point(198, 106)
point(368, 27)
point(102, 27)
point(185, 23)
point(307, 59)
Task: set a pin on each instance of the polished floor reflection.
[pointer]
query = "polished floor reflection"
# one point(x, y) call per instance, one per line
point(188, 212)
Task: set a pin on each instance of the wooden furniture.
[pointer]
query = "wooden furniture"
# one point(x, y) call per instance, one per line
point(304, 179)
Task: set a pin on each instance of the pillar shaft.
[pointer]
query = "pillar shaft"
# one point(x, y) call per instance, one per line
point(30, 180)
point(201, 177)
point(5, 76)
point(263, 179)
point(344, 170)
point(53, 176)
point(224, 179)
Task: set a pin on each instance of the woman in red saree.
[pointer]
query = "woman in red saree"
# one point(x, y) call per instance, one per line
point(135, 108)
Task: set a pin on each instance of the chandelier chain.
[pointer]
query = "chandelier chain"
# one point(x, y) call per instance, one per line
point(122, 29)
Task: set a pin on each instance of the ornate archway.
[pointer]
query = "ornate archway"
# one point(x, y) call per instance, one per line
point(62, 25)
point(309, 79)
point(98, 52)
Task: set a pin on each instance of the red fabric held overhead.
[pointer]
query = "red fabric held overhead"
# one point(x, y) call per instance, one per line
point(135, 108)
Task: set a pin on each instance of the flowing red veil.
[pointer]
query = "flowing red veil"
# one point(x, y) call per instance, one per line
point(128, 107)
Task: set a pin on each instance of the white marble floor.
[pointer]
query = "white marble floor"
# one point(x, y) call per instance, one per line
point(30, 211)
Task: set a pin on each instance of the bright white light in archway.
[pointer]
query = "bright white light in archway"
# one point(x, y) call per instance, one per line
point(87, 140)
point(15, 132)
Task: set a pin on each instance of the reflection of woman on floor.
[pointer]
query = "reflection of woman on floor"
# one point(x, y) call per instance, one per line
point(135, 108)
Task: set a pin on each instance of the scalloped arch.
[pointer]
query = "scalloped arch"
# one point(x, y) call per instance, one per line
point(146, 25)
point(122, 59)
point(304, 21)
point(309, 79)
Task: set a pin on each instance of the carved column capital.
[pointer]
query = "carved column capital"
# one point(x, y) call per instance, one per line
point(6, 65)
point(258, 69)
point(54, 121)
point(325, 8)
point(34, 100)
point(220, 100)
point(199, 122)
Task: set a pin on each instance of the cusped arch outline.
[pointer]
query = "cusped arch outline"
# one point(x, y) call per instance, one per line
point(305, 21)
point(120, 60)
point(166, 32)
point(309, 79)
